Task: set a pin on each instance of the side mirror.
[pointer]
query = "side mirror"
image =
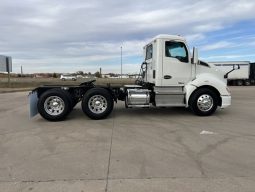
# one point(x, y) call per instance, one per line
point(236, 67)
point(195, 56)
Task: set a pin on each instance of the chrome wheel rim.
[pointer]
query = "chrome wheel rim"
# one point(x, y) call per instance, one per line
point(97, 104)
point(205, 103)
point(54, 105)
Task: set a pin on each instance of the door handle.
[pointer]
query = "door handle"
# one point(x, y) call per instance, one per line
point(167, 77)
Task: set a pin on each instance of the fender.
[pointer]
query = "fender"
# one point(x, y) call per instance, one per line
point(189, 89)
point(206, 79)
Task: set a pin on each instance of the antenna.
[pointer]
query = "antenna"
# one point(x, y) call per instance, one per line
point(21, 71)
point(121, 61)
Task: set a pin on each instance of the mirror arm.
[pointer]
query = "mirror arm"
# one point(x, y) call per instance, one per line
point(226, 75)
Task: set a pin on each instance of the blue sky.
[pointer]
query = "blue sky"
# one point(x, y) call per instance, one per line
point(59, 36)
point(235, 42)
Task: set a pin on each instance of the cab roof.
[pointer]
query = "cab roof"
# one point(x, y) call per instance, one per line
point(165, 36)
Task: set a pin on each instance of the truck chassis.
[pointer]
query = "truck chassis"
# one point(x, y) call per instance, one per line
point(54, 103)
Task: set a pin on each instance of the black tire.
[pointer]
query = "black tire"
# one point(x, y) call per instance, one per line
point(107, 99)
point(69, 96)
point(239, 82)
point(247, 83)
point(62, 94)
point(199, 95)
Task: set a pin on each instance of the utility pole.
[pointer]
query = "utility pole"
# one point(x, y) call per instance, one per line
point(121, 60)
point(8, 70)
point(21, 71)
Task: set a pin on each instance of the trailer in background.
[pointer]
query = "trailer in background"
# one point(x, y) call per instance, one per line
point(244, 76)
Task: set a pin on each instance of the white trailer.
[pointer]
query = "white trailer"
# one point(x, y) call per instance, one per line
point(242, 76)
point(171, 76)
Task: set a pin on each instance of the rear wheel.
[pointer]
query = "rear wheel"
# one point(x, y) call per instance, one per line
point(239, 82)
point(54, 105)
point(203, 102)
point(97, 103)
point(247, 82)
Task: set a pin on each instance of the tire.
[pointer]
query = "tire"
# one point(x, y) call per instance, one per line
point(64, 107)
point(102, 108)
point(247, 83)
point(239, 82)
point(197, 99)
point(69, 96)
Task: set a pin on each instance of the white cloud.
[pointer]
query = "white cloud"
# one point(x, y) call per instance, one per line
point(228, 57)
point(195, 37)
point(208, 27)
point(217, 45)
point(40, 22)
point(53, 33)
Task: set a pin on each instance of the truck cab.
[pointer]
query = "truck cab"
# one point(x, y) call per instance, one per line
point(177, 75)
point(168, 61)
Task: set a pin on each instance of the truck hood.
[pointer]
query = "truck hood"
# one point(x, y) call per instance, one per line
point(204, 67)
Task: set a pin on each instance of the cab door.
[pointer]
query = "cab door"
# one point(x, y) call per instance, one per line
point(176, 64)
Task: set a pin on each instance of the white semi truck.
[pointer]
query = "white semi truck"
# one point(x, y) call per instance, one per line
point(170, 77)
point(244, 76)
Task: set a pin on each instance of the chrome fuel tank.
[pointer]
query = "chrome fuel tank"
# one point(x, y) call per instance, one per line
point(138, 98)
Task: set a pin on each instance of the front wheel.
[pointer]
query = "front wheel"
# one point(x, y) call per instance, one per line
point(203, 102)
point(97, 103)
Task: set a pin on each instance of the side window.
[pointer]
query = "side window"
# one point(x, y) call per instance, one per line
point(177, 50)
point(149, 50)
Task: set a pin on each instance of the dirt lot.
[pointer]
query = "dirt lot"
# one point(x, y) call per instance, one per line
point(133, 150)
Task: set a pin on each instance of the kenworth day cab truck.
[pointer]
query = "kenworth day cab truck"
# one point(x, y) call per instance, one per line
point(170, 77)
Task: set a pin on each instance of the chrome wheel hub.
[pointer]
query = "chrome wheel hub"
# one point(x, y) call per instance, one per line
point(54, 105)
point(97, 104)
point(205, 102)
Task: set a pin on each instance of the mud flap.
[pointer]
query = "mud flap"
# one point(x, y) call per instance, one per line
point(33, 99)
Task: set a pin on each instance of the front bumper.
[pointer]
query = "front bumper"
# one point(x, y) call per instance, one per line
point(226, 101)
